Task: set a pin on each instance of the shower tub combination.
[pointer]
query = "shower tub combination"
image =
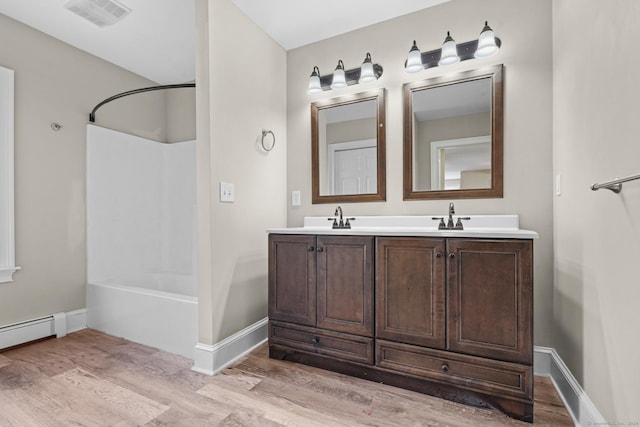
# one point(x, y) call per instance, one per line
point(141, 240)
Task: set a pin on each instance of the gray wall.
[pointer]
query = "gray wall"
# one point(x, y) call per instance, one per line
point(597, 245)
point(238, 95)
point(55, 82)
point(525, 29)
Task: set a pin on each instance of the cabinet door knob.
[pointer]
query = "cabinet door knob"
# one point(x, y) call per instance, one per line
point(315, 340)
point(320, 249)
point(438, 254)
point(452, 256)
point(445, 368)
point(311, 249)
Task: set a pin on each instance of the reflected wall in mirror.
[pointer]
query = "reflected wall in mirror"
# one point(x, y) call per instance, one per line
point(348, 149)
point(453, 136)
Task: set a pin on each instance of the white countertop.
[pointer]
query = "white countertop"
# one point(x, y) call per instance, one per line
point(479, 226)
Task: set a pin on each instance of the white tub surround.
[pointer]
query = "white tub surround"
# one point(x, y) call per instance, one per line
point(478, 226)
point(141, 240)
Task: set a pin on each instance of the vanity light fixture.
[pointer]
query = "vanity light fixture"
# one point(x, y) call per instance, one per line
point(450, 53)
point(341, 78)
point(486, 43)
point(366, 71)
point(414, 60)
point(314, 81)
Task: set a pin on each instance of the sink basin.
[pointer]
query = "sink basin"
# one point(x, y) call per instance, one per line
point(498, 226)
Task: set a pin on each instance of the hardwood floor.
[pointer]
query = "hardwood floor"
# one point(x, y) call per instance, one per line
point(91, 379)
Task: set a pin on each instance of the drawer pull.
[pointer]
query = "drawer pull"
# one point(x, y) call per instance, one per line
point(438, 254)
point(445, 368)
point(452, 255)
point(315, 340)
point(311, 249)
point(320, 249)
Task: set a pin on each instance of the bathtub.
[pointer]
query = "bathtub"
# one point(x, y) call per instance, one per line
point(158, 310)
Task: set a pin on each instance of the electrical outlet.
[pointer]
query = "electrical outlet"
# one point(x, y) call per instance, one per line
point(226, 192)
point(295, 198)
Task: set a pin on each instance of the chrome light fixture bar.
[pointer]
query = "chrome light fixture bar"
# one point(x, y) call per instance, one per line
point(341, 78)
point(451, 53)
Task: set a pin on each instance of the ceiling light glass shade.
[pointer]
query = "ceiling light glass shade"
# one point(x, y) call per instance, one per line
point(339, 81)
point(366, 71)
point(414, 60)
point(449, 53)
point(314, 82)
point(486, 43)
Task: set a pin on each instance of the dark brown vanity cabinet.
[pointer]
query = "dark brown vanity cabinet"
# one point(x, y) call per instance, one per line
point(321, 294)
point(453, 316)
point(458, 312)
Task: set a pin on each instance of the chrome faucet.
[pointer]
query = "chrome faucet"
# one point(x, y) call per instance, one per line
point(339, 211)
point(452, 212)
point(450, 225)
point(338, 221)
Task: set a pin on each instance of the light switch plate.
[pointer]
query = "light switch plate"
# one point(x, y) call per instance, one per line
point(295, 198)
point(226, 192)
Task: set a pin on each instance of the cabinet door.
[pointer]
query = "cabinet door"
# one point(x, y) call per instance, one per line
point(292, 278)
point(490, 298)
point(345, 284)
point(410, 290)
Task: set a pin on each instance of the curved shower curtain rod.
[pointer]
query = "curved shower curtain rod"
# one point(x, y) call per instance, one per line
point(92, 115)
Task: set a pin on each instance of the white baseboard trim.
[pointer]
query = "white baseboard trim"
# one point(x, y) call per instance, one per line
point(547, 362)
point(57, 324)
point(211, 359)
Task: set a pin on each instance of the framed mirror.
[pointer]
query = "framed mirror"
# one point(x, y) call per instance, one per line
point(348, 149)
point(453, 136)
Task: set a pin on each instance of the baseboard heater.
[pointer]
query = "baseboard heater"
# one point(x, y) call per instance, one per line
point(58, 325)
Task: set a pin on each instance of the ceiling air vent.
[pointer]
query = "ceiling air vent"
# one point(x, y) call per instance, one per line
point(100, 12)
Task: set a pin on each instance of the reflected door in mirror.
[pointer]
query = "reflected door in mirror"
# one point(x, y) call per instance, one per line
point(354, 167)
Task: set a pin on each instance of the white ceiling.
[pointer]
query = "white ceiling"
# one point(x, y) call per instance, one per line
point(157, 39)
point(295, 23)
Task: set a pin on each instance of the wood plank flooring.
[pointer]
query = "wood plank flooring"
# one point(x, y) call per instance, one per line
point(91, 379)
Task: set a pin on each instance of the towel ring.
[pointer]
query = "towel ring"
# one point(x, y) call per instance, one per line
point(268, 147)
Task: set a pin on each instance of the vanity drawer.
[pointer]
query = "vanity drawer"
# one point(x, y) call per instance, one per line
point(335, 344)
point(472, 373)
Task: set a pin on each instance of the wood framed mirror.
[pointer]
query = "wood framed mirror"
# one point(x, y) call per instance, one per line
point(348, 149)
point(453, 136)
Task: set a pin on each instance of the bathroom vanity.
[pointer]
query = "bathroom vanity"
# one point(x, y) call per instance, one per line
point(395, 300)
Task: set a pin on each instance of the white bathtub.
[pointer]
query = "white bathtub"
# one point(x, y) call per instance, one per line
point(159, 310)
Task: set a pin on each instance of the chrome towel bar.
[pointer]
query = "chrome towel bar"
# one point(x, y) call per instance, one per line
point(615, 185)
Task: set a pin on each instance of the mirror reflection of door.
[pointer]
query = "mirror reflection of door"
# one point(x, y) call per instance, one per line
point(342, 130)
point(353, 167)
point(461, 164)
